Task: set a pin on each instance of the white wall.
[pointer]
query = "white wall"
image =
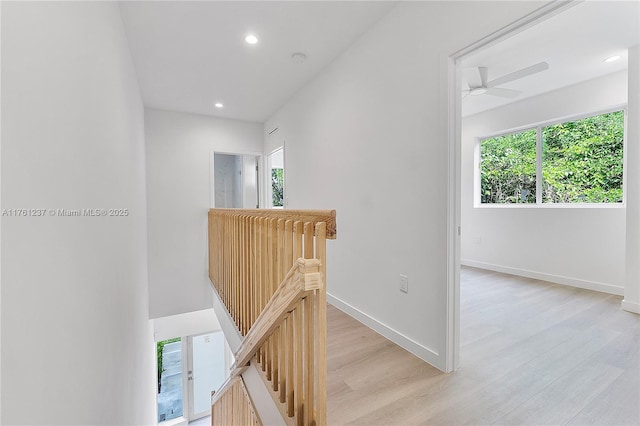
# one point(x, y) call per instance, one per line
point(179, 156)
point(368, 137)
point(631, 300)
point(188, 324)
point(584, 246)
point(77, 345)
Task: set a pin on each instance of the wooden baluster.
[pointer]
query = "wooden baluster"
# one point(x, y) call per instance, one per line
point(290, 380)
point(265, 280)
point(308, 349)
point(258, 283)
point(321, 328)
point(286, 394)
point(269, 259)
point(308, 240)
point(246, 271)
point(234, 269)
point(309, 302)
point(254, 269)
point(241, 268)
point(298, 371)
point(280, 336)
point(225, 263)
point(298, 329)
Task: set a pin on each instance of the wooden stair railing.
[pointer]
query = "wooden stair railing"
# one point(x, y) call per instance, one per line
point(268, 267)
point(233, 406)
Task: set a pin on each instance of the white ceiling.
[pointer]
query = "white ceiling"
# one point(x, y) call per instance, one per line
point(190, 55)
point(574, 43)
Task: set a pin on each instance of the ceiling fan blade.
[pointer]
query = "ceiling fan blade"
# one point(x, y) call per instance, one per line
point(472, 77)
point(503, 93)
point(484, 75)
point(524, 72)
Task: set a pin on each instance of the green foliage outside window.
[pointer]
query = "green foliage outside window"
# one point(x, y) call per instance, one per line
point(277, 187)
point(159, 349)
point(508, 168)
point(582, 162)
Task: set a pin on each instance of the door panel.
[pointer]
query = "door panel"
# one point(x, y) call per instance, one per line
point(207, 371)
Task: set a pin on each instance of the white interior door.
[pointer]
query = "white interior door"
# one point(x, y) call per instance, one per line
point(206, 371)
point(235, 182)
point(249, 182)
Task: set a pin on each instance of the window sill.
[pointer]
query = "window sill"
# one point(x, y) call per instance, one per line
point(552, 206)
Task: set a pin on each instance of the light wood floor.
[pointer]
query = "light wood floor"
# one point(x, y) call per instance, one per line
point(531, 353)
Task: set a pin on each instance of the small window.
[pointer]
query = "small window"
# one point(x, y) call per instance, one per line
point(508, 168)
point(572, 162)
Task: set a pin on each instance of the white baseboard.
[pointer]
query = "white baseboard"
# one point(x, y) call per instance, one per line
point(557, 279)
point(631, 306)
point(428, 355)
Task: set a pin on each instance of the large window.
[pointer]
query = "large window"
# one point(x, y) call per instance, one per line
point(577, 161)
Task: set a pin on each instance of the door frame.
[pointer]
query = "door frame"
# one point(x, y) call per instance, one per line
point(268, 192)
point(451, 68)
point(212, 189)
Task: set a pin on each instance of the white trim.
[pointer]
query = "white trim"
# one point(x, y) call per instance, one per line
point(178, 421)
point(631, 306)
point(422, 352)
point(184, 361)
point(556, 279)
point(534, 18)
point(267, 178)
point(454, 197)
point(554, 121)
point(552, 205)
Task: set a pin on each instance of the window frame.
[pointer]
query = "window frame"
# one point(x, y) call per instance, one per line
point(538, 128)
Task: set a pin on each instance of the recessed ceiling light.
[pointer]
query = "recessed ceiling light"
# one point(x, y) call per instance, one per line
point(298, 57)
point(218, 105)
point(251, 39)
point(612, 58)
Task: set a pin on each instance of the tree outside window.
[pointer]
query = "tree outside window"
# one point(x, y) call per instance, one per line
point(582, 162)
point(277, 187)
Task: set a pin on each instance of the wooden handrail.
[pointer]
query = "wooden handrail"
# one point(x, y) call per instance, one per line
point(268, 267)
point(303, 278)
point(312, 216)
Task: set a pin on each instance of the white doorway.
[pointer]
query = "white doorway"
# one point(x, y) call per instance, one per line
point(206, 371)
point(276, 191)
point(522, 84)
point(235, 181)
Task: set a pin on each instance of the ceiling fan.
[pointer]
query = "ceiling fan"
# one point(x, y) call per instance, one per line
point(478, 84)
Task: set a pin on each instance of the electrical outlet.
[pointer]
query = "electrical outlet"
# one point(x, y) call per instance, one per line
point(404, 284)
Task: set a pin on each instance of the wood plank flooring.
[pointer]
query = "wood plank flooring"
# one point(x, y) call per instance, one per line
point(532, 352)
